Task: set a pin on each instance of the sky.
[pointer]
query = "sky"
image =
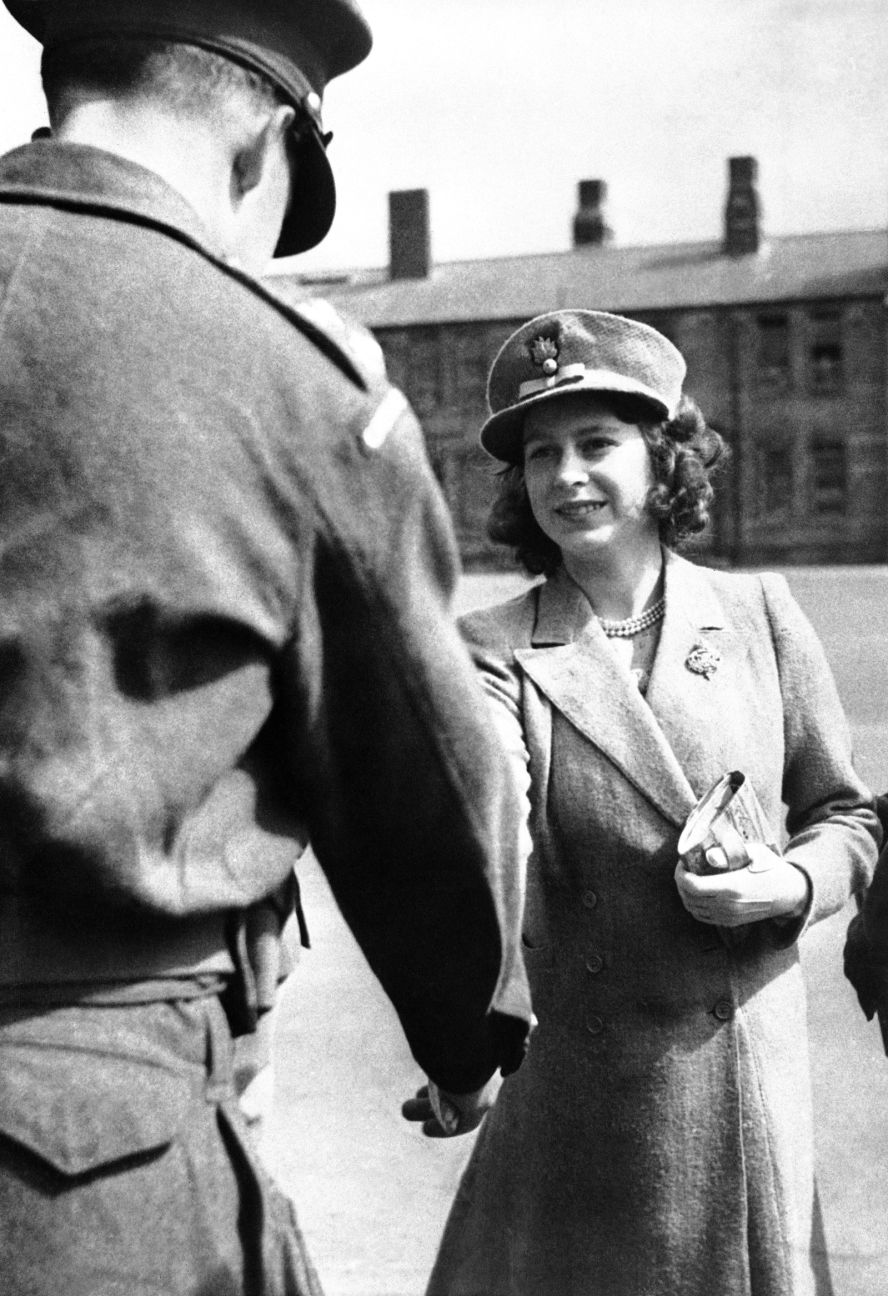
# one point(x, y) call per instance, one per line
point(500, 107)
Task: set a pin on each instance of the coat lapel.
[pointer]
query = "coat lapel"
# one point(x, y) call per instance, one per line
point(571, 663)
point(691, 706)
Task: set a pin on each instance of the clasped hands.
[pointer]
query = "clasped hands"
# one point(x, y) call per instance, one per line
point(767, 887)
point(445, 1114)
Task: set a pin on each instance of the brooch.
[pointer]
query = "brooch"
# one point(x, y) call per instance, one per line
point(703, 659)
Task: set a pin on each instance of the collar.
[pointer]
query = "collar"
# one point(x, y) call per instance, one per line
point(655, 741)
point(81, 177)
point(564, 614)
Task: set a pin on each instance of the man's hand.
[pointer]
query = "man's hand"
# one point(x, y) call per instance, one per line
point(768, 887)
point(445, 1114)
point(255, 1100)
point(254, 1075)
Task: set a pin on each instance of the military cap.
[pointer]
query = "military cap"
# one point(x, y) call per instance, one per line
point(299, 45)
point(576, 351)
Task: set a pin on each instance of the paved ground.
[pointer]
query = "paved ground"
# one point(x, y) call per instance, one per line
point(373, 1194)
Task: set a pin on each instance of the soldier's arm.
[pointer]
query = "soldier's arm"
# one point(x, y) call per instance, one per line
point(411, 805)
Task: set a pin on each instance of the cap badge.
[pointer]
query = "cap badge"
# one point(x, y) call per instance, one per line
point(544, 352)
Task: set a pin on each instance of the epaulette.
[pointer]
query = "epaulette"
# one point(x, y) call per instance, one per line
point(359, 344)
point(315, 319)
point(354, 338)
point(367, 355)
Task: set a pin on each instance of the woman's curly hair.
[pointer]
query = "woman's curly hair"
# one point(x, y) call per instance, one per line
point(683, 451)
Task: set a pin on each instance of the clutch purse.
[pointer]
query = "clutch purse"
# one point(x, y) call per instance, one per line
point(727, 817)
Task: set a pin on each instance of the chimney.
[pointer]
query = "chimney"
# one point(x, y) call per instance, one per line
point(742, 210)
point(589, 228)
point(410, 244)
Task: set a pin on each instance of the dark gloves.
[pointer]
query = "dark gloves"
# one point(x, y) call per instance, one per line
point(869, 979)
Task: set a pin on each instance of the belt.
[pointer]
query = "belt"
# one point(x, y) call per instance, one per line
point(39, 946)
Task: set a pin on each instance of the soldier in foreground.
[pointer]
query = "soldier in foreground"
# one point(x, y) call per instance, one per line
point(225, 574)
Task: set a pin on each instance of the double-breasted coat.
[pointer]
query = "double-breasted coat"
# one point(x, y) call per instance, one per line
point(658, 1141)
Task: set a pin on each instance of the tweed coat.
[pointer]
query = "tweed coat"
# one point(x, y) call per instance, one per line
point(658, 1140)
point(225, 582)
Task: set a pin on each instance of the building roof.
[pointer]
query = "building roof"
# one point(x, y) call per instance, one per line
point(630, 279)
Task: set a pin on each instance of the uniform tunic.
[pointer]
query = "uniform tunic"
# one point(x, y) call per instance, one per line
point(225, 574)
point(658, 1141)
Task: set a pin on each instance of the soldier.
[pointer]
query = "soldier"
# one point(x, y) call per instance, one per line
point(225, 575)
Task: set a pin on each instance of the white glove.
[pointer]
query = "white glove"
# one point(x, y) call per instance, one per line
point(768, 887)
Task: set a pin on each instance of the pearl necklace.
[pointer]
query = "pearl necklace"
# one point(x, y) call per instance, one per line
point(633, 626)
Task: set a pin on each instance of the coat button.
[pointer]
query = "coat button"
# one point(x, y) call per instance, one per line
point(594, 1025)
point(724, 1010)
point(590, 899)
point(594, 963)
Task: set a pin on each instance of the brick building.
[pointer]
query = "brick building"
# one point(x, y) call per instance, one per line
point(785, 339)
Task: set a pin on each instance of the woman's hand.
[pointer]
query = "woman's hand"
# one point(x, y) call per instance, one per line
point(768, 887)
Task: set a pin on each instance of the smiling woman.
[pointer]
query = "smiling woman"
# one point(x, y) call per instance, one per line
point(601, 487)
point(588, 476)
point(658, 1137)
point(679, 456)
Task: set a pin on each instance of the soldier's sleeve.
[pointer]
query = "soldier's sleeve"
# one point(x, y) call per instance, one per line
point(410, 801)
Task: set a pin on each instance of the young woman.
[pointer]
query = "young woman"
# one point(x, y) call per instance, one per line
point(657, 1140)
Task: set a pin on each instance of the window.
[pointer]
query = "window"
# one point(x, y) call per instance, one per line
point(470, 487)
point(825, 352)
point(473, 363)
point(422, 377)
point(395, 345)
point(773, 352)
point(829, 478)
point(776, 472)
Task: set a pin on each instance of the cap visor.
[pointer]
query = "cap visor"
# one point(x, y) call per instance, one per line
point(502, 435)
point(30, 13)
point(313, 204)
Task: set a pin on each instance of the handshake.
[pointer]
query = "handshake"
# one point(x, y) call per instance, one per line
point(445, 1114)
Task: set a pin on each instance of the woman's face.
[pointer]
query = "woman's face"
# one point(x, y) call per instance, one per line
point(588, 475)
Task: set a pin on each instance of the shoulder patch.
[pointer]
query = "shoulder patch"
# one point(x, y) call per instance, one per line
point(386, 415)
